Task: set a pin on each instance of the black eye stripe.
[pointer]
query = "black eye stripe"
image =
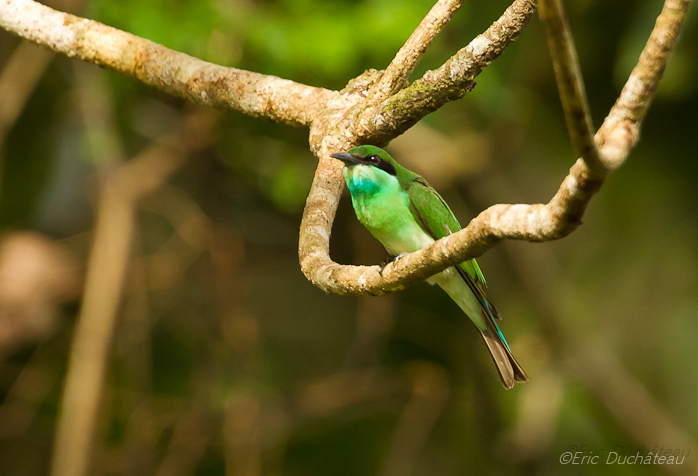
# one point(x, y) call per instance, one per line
point(376, 161)
point(387, 166)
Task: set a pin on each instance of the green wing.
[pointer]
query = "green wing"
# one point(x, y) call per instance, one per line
point(437, 219)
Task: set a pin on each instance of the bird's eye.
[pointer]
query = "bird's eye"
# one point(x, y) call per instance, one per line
point(374, 158)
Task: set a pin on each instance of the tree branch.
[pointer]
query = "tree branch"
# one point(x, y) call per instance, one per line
point(570, 83)
point(450, 82)
point(538, 222)
point(169, 71)
point(396, 74)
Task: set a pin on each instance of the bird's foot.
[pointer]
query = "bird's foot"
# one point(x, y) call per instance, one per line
point(390, 259)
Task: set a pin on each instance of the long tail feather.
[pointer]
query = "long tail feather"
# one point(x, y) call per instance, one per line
point(509, 369)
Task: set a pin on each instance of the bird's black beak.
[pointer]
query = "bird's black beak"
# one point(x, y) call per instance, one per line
point(346, 157)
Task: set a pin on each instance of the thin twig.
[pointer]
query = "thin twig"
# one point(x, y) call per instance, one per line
point(570, 83)
point(407, 59)
point(175, 73)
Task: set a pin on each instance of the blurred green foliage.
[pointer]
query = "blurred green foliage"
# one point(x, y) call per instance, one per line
point(216, 336)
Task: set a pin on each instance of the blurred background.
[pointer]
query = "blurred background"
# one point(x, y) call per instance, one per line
point(155, 242)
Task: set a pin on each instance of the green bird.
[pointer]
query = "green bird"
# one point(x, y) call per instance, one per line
point(405, 213)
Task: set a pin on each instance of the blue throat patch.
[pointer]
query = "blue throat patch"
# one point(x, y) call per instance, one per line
point(363, 181)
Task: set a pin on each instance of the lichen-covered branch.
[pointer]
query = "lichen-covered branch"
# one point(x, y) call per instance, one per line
point(170, 71)
point(451, 81)
point(396, 74)
point(373, 121)
point(570, 83)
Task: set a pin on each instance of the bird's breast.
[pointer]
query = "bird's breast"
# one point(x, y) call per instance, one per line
point(388, 217)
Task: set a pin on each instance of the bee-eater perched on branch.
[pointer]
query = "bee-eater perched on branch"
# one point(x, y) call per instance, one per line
point(405, 213)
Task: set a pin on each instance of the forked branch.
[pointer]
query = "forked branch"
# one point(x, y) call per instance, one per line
point(551, 221)
point(452, 80)
point(378, 123)
point(396, 74)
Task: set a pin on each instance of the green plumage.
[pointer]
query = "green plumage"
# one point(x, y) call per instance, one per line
point(405, 213)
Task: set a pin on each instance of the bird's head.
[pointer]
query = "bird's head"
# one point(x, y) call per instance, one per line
point(368, 156)
point(368, 170)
